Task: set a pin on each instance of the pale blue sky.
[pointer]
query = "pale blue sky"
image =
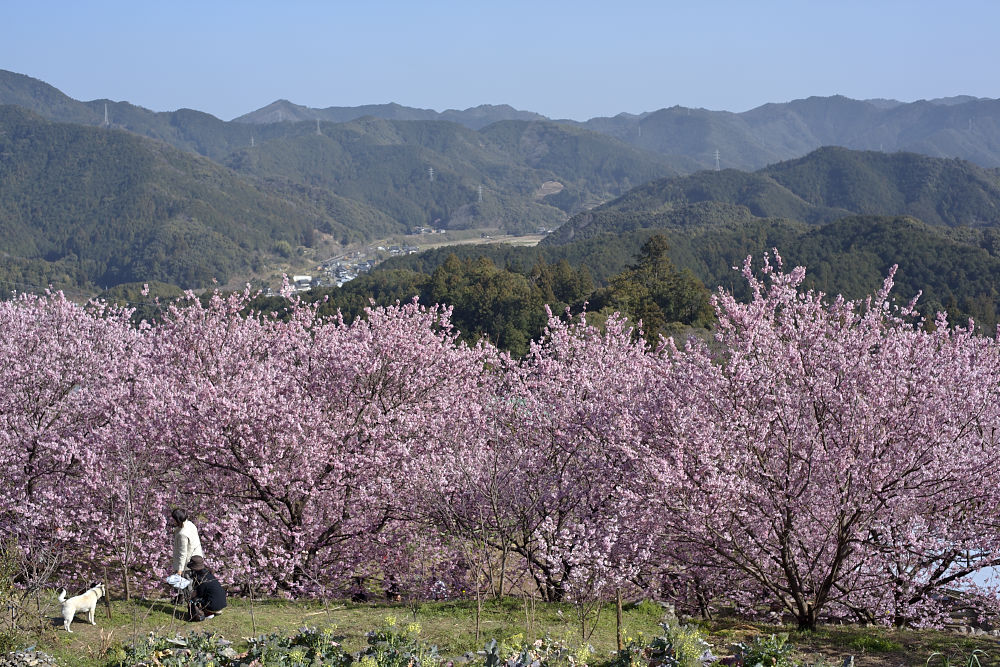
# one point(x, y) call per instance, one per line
point(562, 59)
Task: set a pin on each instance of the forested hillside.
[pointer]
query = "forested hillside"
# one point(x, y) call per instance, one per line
point(938, 191)
point(953, 270)
point(825, 185)
point(387, 165)
point(88, 205)
point(91, 207)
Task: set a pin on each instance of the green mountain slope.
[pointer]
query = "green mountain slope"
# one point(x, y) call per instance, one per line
point(853, 255)
point(587, 163)
point(386, 164)
point(935, 190)
point(45, 100)
point(827, 184)
point(88, 206)
point(83, 203)
point(379, 162)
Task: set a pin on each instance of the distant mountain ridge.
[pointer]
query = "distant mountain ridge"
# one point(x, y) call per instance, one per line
point(752, 139)
point(961, 126)
point(957, 127)
point(86, 199)
point(588, 167)
point(475, 118)
point(488, 160)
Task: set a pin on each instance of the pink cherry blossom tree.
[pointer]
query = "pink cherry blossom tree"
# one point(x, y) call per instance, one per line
point(555, 479)
point(293, 432)
point(61, 371)
point(817, 428)
point(831, 458)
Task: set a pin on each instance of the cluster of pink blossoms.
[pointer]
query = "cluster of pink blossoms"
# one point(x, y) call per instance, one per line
point(819, 457)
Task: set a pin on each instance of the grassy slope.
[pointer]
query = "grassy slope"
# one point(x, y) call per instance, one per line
point(451, 626)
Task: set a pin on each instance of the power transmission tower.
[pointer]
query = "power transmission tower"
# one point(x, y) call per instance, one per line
point(430, 173)
point(317, 128)
point(480, 194)
point(107, 123)
point(717, 165)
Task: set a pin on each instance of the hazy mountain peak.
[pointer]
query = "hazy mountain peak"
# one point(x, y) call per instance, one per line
point(956, 99)
point(279, 111)
point(883, 102)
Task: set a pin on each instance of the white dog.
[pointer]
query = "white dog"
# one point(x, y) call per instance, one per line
point(86, 601)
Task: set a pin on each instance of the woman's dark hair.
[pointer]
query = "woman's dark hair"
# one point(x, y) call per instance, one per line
point(179, 515)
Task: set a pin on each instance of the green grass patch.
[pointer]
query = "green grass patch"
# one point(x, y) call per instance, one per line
point(875, 644)
point(451, 627)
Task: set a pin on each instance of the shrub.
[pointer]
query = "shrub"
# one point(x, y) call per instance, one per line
point(9, 641)
point(546, 652)
point(678, 646)
point(769, 651)
point(310, 646)
point(196, 649)
point(396, 646)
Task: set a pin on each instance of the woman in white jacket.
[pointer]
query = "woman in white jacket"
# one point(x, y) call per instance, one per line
point(186, 541)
